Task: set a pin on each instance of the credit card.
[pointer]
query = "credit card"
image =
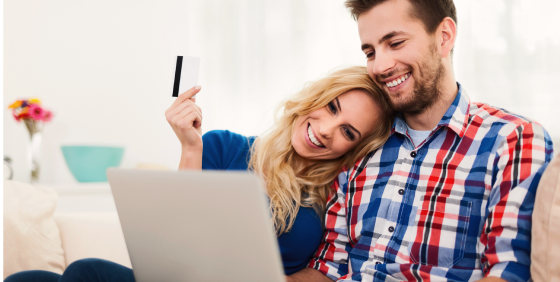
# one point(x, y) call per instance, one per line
point(185, 74)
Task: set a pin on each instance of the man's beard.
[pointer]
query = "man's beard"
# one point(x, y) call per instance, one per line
point(426, 90)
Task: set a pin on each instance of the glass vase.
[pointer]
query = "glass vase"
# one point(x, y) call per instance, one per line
point(34, 151)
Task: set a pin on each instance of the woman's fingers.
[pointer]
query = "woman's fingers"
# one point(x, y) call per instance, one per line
point(188, 104)
point(185, 116)
point(184, 96)
point(172, 112)
point(188, 120)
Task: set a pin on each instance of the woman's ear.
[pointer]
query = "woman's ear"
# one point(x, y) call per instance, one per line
point(447, 32)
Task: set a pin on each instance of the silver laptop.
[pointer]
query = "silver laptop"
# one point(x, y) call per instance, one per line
point(196, 225)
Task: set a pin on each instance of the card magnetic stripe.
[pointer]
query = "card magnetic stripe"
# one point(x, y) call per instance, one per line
point(177, 76)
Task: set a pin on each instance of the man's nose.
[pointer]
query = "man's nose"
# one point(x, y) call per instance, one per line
point(382, 63)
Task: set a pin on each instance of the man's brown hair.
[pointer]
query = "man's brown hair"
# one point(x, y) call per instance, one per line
point(429, 12)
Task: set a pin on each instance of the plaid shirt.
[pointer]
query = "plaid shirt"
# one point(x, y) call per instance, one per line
point(456, 207)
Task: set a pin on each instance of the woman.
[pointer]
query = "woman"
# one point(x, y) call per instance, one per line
point(331, 123)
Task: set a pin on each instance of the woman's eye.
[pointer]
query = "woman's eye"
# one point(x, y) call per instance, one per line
point(348, 133)
point(332, 107)
point(397, 44)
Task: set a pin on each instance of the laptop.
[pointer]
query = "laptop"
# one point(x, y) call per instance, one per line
point(196, 225)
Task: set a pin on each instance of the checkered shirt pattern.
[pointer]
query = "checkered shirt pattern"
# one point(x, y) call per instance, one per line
point(457, 207)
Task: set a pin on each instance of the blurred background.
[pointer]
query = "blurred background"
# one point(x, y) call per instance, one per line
point(105, 67)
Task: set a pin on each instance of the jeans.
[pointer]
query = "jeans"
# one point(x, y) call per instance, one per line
point(84, 270)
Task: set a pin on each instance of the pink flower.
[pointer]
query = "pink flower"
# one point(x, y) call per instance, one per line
point(35, 112)
point(47, 116)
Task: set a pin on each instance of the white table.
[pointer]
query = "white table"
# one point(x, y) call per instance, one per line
point(83, 197)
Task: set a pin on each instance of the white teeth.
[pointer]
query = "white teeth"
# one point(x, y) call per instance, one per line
point(312, 137)
point(397, 81)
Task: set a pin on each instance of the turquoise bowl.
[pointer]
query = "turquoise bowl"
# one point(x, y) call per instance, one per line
point(90, 163)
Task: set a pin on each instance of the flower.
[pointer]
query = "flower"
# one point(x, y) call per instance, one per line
point(30, 110)
point(47, 116)
point(22, 116)
point(36, 112)
point(34, 101)
point(15, 104)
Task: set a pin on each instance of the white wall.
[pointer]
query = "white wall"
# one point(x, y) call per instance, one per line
point(103, 66)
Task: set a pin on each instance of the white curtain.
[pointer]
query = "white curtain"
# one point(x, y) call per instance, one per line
point(507, 55)
point(102, 67)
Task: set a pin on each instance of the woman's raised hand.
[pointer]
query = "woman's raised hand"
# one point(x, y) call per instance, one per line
point(185, 117)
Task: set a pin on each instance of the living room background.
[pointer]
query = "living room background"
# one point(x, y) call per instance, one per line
point(103, 66)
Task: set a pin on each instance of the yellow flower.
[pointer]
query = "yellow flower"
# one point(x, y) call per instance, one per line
point(34, 101)
point(16, 104)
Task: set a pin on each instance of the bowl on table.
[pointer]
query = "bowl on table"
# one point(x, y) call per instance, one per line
point(90, 163)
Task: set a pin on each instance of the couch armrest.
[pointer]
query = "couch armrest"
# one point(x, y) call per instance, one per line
point(92, 235)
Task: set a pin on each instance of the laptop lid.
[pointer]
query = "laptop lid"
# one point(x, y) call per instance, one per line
point(196, 225)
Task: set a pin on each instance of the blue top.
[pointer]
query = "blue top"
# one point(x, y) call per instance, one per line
point(225, 150)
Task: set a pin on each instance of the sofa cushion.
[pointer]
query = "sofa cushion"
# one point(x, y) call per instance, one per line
point(31, 236)
point(545, 244)
point(92, 235)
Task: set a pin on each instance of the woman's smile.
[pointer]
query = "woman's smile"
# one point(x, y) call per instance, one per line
point(311, 140)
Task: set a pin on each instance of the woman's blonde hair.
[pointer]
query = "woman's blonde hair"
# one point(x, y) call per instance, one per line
point(290, 183)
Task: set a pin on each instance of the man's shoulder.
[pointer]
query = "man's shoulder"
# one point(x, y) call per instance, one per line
point(489, 115)
point(504, 127)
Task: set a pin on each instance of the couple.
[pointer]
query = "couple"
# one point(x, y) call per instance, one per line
point(444, 193)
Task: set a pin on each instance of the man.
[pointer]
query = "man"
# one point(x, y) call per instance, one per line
point(451, 193)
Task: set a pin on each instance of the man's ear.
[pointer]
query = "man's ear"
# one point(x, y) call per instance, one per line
point(447, 32)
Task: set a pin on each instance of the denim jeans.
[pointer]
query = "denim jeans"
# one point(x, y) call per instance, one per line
point(84, 270)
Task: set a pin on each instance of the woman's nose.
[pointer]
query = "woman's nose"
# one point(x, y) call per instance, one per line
point(326, 130)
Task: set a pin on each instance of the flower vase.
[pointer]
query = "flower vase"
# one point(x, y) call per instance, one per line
point(34, 151)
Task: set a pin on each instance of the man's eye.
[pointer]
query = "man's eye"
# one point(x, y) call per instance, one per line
point(397, 44)
point(370, 55)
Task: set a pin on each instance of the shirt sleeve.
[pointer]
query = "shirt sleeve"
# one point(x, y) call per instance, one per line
point(212, 150)
point(506, 238)
point(225, 150)
point(332, 256)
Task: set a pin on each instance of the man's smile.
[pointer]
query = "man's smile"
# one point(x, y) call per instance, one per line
point(397, 81)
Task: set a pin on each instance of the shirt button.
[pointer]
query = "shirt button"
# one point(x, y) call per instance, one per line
point(413, 154)
point(401, 192)
point(391, 229)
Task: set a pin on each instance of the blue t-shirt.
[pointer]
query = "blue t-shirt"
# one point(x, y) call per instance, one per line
point(225, 150)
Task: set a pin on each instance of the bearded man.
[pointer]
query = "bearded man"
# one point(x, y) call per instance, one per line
point(450, 195)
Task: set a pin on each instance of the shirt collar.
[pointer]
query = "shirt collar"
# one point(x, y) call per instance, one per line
point(456, 118)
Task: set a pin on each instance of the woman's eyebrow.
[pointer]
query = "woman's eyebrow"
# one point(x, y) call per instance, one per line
point(338, 104)
point(357, 131)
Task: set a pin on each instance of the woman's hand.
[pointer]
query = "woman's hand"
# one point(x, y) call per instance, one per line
point(185, 117)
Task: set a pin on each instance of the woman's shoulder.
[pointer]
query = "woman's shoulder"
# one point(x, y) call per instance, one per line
point(223, 149)
point(226, 138)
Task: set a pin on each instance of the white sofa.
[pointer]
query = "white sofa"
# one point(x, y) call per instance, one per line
point(35, 237)
point(95, 235)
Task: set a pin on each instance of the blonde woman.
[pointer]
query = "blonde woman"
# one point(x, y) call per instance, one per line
point(330, 124)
